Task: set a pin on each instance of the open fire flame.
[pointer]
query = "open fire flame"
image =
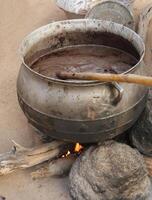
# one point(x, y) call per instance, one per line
point(77, 149)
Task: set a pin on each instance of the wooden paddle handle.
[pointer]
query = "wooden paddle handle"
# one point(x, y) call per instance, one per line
point(126, 78)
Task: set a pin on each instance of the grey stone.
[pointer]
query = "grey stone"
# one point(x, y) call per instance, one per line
point(141, 133)
point(113, 171)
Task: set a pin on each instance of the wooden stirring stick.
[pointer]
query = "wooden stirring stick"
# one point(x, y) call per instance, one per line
point(126, 78)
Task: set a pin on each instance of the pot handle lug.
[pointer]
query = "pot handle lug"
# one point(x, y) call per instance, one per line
point(120, 91)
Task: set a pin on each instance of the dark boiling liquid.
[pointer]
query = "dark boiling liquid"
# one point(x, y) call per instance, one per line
point(88, 58)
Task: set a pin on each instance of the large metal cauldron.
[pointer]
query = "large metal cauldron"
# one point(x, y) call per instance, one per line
point(87, 111)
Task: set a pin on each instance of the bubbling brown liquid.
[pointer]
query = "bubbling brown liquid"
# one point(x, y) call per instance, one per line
point(84, 58)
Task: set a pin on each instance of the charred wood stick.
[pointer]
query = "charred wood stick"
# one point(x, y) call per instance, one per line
point(21, 157)
point(58, 167)
point(126, 78)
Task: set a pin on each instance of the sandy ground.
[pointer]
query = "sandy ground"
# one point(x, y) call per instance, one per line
point(17, 19)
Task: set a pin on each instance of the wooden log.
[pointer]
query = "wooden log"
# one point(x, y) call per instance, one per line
point(21, 157)
point(58, 167)
point(126, 78)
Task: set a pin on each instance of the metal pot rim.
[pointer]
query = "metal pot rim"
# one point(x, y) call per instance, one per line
point(83, 83)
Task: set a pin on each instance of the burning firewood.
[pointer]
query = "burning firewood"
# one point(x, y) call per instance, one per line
point(20, 157)
point(58, 167)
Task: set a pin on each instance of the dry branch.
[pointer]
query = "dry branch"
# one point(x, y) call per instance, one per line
point(21, 157)
point(58, 167)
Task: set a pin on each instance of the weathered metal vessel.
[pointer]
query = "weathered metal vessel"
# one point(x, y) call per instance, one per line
point(75, 9)
point(80, 111)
